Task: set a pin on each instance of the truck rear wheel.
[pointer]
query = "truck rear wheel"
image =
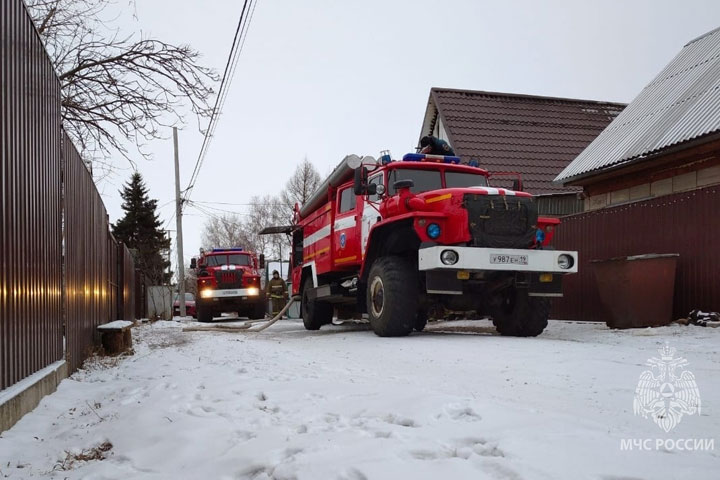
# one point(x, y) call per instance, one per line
point(315, 314)
point(204, 314)
point(519, 315)
point(392, 297)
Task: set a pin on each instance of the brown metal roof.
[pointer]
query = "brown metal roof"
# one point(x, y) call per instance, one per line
point(535, 136)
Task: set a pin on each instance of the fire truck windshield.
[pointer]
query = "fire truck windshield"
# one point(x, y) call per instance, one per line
point(424, 180)
point(462, 180)
point(232, 259)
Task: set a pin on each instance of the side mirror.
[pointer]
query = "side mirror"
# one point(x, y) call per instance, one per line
point(193, 263)
point(360, 181)
point(517, 185)
point(262, 260)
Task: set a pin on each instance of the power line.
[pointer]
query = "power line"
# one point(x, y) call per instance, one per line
point(256, 204)
point(235, 50)
point(216, 215)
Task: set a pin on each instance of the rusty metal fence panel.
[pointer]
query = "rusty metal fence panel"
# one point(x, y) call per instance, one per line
point(686, 223)
point(30, 221)
point(88, 254)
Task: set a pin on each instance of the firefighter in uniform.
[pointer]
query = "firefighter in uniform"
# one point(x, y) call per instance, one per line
point(435, 146)
point(277, 291)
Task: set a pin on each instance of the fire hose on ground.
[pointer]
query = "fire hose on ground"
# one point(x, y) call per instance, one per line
point(246, 327)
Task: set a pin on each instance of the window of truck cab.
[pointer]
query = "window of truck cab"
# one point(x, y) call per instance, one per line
point(347, 200)
point(464, 179)
point(232, 259)
point(424, 179)
point(376, 179)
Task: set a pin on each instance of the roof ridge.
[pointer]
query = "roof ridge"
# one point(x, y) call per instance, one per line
point(707, 34)
point(526, 96)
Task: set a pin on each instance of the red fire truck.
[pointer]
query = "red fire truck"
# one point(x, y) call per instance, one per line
point(228, 281)
point(401, 240)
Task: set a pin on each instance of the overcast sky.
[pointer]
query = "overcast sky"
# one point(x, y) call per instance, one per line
point(323, 79)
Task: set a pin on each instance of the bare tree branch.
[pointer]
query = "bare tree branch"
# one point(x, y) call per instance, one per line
point(118, 90)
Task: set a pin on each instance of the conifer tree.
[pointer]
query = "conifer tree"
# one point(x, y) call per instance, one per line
point(141, 230)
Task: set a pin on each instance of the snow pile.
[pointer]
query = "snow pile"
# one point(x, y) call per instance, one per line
point(456, 401)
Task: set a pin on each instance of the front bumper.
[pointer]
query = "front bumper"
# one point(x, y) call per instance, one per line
point(251, 293)
point(497, 259)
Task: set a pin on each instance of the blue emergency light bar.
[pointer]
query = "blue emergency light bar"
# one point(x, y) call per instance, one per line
point(234, 249)
point(425, 157)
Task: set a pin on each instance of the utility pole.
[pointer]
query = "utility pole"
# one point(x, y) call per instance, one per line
point(178, 234)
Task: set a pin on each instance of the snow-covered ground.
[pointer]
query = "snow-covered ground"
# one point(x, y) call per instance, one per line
point(342, 403)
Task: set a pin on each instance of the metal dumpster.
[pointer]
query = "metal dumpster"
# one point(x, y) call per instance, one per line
point(637, 291)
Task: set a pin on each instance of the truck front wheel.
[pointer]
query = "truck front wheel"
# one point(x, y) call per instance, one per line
point(315, 314)
point(258, 311)
point(392, 297)
point(519, 315)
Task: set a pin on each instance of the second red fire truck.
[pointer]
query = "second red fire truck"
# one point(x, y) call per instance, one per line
point(228, 280)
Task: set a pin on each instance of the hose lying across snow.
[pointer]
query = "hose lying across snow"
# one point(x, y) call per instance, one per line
point(247, 327)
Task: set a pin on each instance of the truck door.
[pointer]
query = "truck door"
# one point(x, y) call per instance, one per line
point(370, 215)
point(346, 249)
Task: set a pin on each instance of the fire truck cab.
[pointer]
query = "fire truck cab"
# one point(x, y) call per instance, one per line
point(403, 240)
point(228, 280)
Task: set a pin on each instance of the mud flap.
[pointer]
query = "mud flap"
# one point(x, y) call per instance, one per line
point(443, 282)
point(551, 286)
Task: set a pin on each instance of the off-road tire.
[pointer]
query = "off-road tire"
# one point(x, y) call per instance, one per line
point(204, 314)
point(520, 315)
point(314, 314)
point(421, 321)
point(392, 296)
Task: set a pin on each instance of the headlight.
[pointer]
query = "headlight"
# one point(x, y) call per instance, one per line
point(253, 291)
point(449, 257)
point(433, 230)
point(565, 261)
point(207, 293)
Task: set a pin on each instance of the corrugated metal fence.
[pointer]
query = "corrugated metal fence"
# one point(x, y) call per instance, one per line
point(42, 178)
point(30, 223)
point(685, 223)
point(88, 258)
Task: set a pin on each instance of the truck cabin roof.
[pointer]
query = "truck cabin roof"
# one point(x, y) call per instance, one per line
point(226, 257)
point(433, 166)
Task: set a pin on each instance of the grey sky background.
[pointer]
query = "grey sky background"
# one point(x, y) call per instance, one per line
point(323, 79)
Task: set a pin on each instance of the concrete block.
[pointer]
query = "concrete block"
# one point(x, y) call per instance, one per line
point(684, 182)
point(661, 187)
point(708, 176)
point(640, 191)
point(620, 196)
point(596, 202)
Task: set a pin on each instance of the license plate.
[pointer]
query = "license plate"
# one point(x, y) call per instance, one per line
point(231, 292)
point(501, 259)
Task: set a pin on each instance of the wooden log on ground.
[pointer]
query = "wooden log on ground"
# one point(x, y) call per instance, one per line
point(116, 336)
